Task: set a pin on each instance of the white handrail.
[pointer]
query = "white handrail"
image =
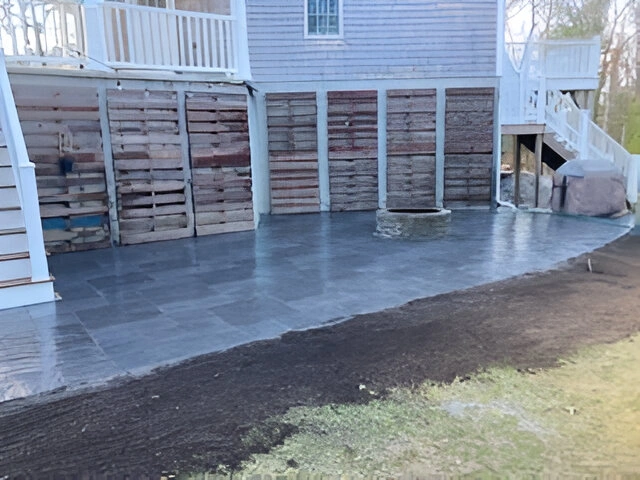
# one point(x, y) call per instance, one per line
point(24, 172)
point(582, 135)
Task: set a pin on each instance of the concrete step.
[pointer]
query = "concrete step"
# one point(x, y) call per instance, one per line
point(11, 219)
point(14, 268)
point(9, 197)
point(7, 178)
point(22, 291)
point(11, 243)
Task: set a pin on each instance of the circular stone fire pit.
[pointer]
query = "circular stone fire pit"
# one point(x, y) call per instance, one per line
point(412, 222)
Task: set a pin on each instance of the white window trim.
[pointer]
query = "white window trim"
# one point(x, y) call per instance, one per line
point(340, 34)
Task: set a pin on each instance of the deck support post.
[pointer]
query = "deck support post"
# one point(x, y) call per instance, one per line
point(516, 166)
point(382, 148)
point(324, 184)
point(109, 166)
point(538, 154)
point(441, 112)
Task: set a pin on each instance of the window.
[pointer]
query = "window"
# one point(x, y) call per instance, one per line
point(323, 18)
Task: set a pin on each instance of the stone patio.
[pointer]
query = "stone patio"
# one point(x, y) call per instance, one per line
point(127, 310)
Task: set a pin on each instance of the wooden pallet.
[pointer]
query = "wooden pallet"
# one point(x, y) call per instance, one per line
point(149, 166)
point(293, 152)
point(411, 148)
point(468, 147)
point(64, 123)
point(221, 162)
point(353, 150)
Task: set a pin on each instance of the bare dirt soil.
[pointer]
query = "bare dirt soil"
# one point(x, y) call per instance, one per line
point(195, 416)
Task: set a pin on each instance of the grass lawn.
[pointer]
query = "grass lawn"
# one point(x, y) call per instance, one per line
point(581, 418)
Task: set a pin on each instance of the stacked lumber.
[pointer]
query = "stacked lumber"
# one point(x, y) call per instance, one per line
point(61, 127)
point(149, 166)
point(220, 162)
point(353, 150)
point(468, 147)
point(411, 148)
point(293, 152)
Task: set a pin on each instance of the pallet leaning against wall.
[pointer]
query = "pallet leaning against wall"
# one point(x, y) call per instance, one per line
point(293, 152)
point(411, 148)
point(149, 166)
point(353, 150)
point(220, 161)
point(61, 127)
point(468, 147)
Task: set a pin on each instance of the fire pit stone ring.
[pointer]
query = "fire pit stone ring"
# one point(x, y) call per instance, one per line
point(412, 222)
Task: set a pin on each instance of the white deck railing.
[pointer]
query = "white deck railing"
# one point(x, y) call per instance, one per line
point(557, 58)
point(537, 66)
point(155, 38)
point(574, 127)
point(125, 35)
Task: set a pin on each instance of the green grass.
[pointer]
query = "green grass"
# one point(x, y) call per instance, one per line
point(582, 418)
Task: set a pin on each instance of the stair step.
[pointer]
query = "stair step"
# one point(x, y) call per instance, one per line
point(9, 197)
point(4, 157)
point(15, 282)
point(12, 231)
point(12, 218)
point(560, 145)
point(11, 269)
point(13, 243)
point(13, 256)
point(24, 291)
point(6, 177)
point(25, 281)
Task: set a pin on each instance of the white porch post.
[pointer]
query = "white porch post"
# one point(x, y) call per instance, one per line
point(382, 148)
point(95, 45)
point(583, 145)
point(324, 185)
point(441, 112)
point(239, 13)
point(541, 103)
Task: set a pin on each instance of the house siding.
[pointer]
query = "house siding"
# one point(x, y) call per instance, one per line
point(381, 40)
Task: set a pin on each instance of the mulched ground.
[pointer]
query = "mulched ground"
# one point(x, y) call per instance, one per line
point(193, 417)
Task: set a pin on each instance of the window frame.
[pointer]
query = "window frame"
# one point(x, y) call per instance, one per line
point(320, 36)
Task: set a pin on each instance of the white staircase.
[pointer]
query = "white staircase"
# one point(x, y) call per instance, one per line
point(24, 274)
point(572, 128)
point(534, 77)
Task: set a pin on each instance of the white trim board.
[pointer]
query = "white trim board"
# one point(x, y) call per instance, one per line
point(377, 84)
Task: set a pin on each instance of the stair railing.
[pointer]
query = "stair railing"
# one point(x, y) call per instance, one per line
point(579, 133)
point(25, 176)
